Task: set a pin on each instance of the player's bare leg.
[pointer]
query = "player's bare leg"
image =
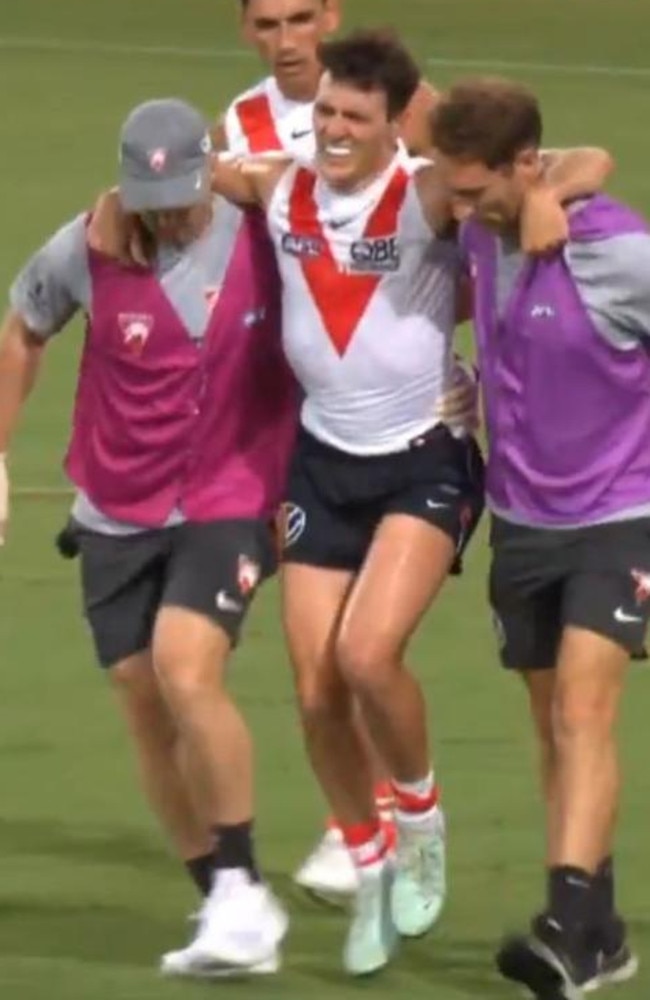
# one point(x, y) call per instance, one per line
point(541, 694)
point(575, 708)
point(590, 674)
point(313, 600)
point(241, 925)
point(190, 656)
point(328, 873)
point(406, 566)
point(166, 777)
point(381, 776)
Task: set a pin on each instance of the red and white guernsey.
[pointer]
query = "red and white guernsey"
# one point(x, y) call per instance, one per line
point(368, 306)
point(263, 119)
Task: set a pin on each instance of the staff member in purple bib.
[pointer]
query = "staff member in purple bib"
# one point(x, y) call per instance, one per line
point(563, 344)
point(184, 418)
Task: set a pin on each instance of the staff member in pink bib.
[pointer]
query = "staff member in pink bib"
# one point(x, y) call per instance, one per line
point(184, 418)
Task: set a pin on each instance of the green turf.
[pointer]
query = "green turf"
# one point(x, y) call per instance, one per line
point(88, 894)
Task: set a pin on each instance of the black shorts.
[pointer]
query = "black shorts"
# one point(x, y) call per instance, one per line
point(212, 568)
point(335, 501)
point(541, 580)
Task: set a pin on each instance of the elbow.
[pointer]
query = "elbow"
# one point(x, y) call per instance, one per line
point(18, 340)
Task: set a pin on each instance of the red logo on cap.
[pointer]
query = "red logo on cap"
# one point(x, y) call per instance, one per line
point(157, 159)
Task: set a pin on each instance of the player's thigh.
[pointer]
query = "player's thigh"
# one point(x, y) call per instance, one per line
point(313, 599)
point(324, 542)
point(435, 503)
point(122, 579)
point(406, 565)
point(591, 670)
point(213, 575)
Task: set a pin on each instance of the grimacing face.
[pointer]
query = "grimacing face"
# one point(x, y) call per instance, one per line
point(355, 140)
point(493, 195)
point(286, 34)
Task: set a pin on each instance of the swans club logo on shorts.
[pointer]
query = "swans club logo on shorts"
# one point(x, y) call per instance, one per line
point(248, 574)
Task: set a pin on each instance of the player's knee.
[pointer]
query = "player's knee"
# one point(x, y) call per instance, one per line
point(148, 716)
point(320, 698)
point(189, 677)
point(365, 664)
point(581, 713)
point(189, 653)
point(155, 736)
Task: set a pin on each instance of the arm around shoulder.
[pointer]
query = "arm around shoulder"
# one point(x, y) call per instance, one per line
point(248, 180)
point(576, 173)
point(415, 127)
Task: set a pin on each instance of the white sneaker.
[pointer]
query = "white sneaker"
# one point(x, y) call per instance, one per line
point(329, 872)
point(177, 963)
point(240, 929)
point(372, 936)
point(420, 885)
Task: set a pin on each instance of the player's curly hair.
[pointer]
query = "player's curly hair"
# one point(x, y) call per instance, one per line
point(487, 119)
point(373, 60)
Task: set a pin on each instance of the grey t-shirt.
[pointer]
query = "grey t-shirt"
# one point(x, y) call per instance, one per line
point(56, 283)
point(613, 280)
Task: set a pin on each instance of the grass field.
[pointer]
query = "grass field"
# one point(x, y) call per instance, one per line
point(89, 896)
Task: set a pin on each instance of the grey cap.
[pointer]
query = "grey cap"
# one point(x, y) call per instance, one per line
point(164, 156)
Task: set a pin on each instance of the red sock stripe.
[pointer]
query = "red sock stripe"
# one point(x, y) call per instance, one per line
point(366, 842)
point(410, 803)
point(358, 834)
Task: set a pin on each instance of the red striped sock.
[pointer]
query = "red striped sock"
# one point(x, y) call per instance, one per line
point(366, 843)
point(417, 796)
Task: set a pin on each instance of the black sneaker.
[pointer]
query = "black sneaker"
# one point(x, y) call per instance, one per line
point(616, 962)
point(547, 963)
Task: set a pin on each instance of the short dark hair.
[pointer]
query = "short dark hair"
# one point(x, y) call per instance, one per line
point(373, 60)
point(487, 119)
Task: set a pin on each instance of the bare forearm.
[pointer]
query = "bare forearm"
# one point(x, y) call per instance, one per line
point(20, 355)
point(230, 180)
point(576, 173)
point(416, 130)
point(248, 180)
